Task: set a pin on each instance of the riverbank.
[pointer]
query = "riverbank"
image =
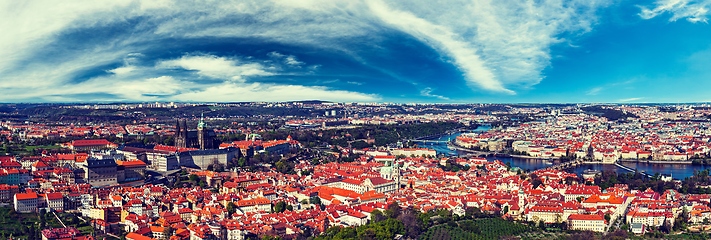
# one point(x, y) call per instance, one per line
point(531, 157)
point(495, 154)
point(654, 161)
point(679, 171)
point(454, 132)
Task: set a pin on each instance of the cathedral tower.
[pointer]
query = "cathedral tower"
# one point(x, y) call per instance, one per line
point(202, 138)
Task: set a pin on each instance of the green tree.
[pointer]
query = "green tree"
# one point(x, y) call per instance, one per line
point(377, 216)
point(346, 233)
point(284, 167)
point(194, 178)
point(218, 167)
point(392, 210)
point(280, 206)
point(42, 218)
point(267, 237)
point(472, 212)
point(167, 232)
point(469, 226)
point(231, 208)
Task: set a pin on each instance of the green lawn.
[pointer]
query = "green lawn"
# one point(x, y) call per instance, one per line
point(86, 230)
point(32, 148)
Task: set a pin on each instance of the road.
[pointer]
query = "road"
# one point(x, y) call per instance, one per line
point(58, 219)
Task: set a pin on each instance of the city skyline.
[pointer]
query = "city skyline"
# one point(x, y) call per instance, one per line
point(356, 51)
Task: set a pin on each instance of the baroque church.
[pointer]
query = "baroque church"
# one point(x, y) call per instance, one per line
point(202, 138)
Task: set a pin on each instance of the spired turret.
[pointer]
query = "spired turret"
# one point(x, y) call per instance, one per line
point(184, 127)
point(202, 140)
point(181, 133)
point(177, 127)
point(201, 124)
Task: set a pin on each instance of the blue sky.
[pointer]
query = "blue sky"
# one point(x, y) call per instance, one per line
point(356, 51)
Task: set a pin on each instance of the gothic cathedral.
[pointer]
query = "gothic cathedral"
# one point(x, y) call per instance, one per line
point(202, 138)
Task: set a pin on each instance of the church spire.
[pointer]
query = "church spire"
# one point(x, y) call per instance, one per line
point(177, 127)
point(201, 124)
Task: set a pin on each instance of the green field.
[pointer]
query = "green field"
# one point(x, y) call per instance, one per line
point(23, 150)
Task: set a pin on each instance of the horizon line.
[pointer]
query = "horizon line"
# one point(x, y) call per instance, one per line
point(326, 101)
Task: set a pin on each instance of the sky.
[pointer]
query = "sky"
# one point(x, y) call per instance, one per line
point(450, 51)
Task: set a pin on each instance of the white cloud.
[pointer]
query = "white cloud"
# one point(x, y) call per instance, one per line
point(122, 70)
point(28, 24)
point(635, 99)
point(228, 92)
point(626, 84)
point(594, 91)
point(163, 85)
point(286, 59)
point(427, 92)
point(216, 67)
point(692, 10)
point(123, 87)
point(134, 89)
point(57, 74)
point(499, 46)
point(127, 83)
point(291, 60)
point(464, 56)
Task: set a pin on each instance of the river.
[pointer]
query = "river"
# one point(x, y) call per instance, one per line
point(677, 171)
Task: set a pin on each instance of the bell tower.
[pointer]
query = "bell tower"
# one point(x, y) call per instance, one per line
point(202, 138)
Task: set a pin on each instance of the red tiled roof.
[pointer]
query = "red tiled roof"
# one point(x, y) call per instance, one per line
point(136, 236)
point(54, 196)
point(379, 180)
point(133, 163)
point(40, 164)
point(10, 164)
point(582, 217)
point(252, 202)
point(351, 181)
point(90, 142)
point(26, 196)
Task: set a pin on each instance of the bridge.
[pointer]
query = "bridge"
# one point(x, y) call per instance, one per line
point(566, 165)
point(575, 163)
point(427, 141)
point(631, 170)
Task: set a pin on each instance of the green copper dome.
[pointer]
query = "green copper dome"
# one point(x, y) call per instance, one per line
point(201, 124)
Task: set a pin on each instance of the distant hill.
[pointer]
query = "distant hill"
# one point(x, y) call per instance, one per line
point(312, 102)
point(609, 113)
